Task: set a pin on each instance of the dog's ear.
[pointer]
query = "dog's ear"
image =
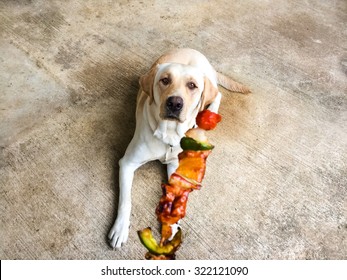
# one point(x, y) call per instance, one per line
point(208, 95)
point(147, 82)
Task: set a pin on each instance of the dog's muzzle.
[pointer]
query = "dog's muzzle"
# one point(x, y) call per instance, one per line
point(174, 106)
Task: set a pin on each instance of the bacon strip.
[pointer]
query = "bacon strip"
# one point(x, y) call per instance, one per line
point(187, 177)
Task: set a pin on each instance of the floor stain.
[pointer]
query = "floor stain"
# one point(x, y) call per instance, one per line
point(37, 26)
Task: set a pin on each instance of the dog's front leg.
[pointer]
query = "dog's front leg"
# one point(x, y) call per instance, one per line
point(120, 230)
point(171, 167)
point(214, 106)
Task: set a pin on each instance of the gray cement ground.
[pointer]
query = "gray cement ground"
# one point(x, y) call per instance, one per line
point(275, 186)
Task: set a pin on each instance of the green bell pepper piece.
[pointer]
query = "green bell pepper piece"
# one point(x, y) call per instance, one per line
point(151, 244)
point(188, 143)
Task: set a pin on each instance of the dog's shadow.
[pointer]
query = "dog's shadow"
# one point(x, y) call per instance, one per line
point(113, 87)
point(123, 87)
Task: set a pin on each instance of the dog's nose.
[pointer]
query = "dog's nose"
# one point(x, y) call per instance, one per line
point(174, 104)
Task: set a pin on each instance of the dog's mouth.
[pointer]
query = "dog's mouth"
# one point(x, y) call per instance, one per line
point(171, 117)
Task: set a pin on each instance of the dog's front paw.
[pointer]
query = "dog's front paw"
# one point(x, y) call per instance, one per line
point(118, 233)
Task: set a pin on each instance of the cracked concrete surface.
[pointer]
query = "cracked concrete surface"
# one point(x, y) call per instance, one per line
point(275, 186)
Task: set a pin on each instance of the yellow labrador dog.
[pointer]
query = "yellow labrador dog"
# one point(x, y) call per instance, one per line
point(179, 85)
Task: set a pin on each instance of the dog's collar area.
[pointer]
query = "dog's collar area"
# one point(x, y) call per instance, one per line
point(171, 153)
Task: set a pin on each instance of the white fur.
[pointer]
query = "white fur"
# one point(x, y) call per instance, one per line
point(156, 139)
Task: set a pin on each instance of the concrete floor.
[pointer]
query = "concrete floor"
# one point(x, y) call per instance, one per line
point(275, 186)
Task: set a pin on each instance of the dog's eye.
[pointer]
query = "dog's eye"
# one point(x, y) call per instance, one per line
point(191, 85)
point(165, 81)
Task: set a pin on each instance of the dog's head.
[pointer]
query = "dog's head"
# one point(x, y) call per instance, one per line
point(179, 90)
